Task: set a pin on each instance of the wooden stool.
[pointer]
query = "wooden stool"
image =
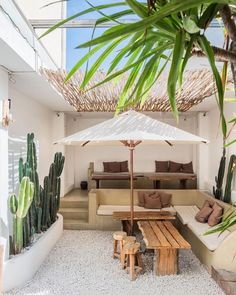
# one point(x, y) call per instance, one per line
point(132, 251)
point(123, 257)
point(118, 236)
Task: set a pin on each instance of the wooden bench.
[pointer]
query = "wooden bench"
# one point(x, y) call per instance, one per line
point(165, 239)
point(125, 217)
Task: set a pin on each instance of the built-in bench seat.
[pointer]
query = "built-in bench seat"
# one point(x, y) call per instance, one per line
point(107, 210)
point(212, 250)
point(186, 215)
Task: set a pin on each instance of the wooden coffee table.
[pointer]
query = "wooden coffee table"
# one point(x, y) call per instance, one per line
point(165, 239)
point(124, 217)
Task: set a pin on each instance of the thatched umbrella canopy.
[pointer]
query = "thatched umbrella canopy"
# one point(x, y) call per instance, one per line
point(197, 85)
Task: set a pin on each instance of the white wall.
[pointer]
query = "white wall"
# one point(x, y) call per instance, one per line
point(4, 212)
point(145, 156)
point(55, 41)
point(29, 116)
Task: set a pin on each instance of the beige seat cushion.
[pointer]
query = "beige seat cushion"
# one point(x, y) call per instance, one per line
point(186, 214)
point(109, 209)
point(210, 241)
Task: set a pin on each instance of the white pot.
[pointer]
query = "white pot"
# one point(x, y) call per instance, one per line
point(20, 269)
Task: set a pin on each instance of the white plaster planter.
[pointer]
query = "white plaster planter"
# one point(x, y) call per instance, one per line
point(20, 269)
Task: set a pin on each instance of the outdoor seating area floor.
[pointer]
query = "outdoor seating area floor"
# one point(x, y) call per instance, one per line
point(81, 263)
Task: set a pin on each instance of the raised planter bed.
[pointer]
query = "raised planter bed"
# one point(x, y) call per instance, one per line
point(21, 268)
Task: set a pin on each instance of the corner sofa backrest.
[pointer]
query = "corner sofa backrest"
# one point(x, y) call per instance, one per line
point(122, 196)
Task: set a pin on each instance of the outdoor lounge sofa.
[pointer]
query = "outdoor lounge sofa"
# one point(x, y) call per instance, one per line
point(144, 179)
point(212, 250)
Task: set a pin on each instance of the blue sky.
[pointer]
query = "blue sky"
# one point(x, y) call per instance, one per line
point(77, 36)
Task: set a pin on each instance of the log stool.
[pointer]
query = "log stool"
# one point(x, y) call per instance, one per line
point(123, 257)
point(133, 252)
point(118, 236)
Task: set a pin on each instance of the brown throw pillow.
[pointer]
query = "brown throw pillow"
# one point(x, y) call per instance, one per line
point(165, 199)
point(187, 168)
point(114, 167)
point(175, 167)
point(141, 194)
point(162, 166)
point(216, 215)
point(106, 166)
point(141, 198)
point(204, 213)
point(152, 201)
point(124, 166)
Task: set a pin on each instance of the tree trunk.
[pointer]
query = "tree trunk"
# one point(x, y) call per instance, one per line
point(230, 26)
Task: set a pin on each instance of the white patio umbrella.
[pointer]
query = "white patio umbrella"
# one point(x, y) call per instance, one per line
point(131, 129)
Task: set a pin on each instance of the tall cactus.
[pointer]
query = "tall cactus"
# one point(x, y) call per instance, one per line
point(19, 208)
point(231, 167)
point(50, 192)
point(32, 222)
point(217, 191)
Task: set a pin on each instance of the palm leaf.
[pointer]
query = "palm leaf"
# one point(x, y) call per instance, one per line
point(86, 11)
point(204, 43)
point(175, 69)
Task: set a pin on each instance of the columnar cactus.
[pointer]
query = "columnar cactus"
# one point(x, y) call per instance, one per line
point(217, 191)
point(231, 168)
point(19, 208)
point(32, 222)
point(50, 193)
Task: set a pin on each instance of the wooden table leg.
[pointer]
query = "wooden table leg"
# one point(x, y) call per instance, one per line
point(97, 183)
point(182, 183)
point(126, 226)
point(167, 262)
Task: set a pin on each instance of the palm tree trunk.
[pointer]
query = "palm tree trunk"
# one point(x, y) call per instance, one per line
point(229, 24)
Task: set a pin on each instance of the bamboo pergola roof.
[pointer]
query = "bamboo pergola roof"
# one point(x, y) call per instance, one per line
point(197, 85)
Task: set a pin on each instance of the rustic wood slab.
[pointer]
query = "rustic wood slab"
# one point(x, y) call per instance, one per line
point(163, 237)
point(144, 215)
point(155, 231)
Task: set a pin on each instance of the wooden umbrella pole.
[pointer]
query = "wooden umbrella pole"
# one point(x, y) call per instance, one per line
point(131, 187)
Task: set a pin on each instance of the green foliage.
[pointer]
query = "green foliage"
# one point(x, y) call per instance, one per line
point(228, 220)
point(172, 28)
point(217, 191)
point(231, 168)
point(36, 208)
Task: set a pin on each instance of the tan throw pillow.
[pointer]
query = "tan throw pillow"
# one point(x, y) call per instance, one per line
point(216, 215)
point(175, 167)
point(162, 166)
point(165, 199)
point(152, 201)
point(204, 213)
point(124, 166)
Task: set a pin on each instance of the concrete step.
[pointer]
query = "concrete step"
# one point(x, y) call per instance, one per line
point(74, 213)
point(75, 224)
point(73, 203)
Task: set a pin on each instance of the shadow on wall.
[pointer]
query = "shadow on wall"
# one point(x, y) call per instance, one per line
point(17, 149)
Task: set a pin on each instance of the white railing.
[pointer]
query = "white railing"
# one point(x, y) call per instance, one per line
point(21, 24)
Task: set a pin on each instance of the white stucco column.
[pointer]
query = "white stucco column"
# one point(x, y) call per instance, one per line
point(203, 151)
point(58, 133)
point(4, 211)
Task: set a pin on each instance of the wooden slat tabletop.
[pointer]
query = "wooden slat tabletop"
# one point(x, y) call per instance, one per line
point(162, 234)
point(144, 215)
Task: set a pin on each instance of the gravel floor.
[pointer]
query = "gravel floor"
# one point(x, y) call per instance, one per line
point(81, 264)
